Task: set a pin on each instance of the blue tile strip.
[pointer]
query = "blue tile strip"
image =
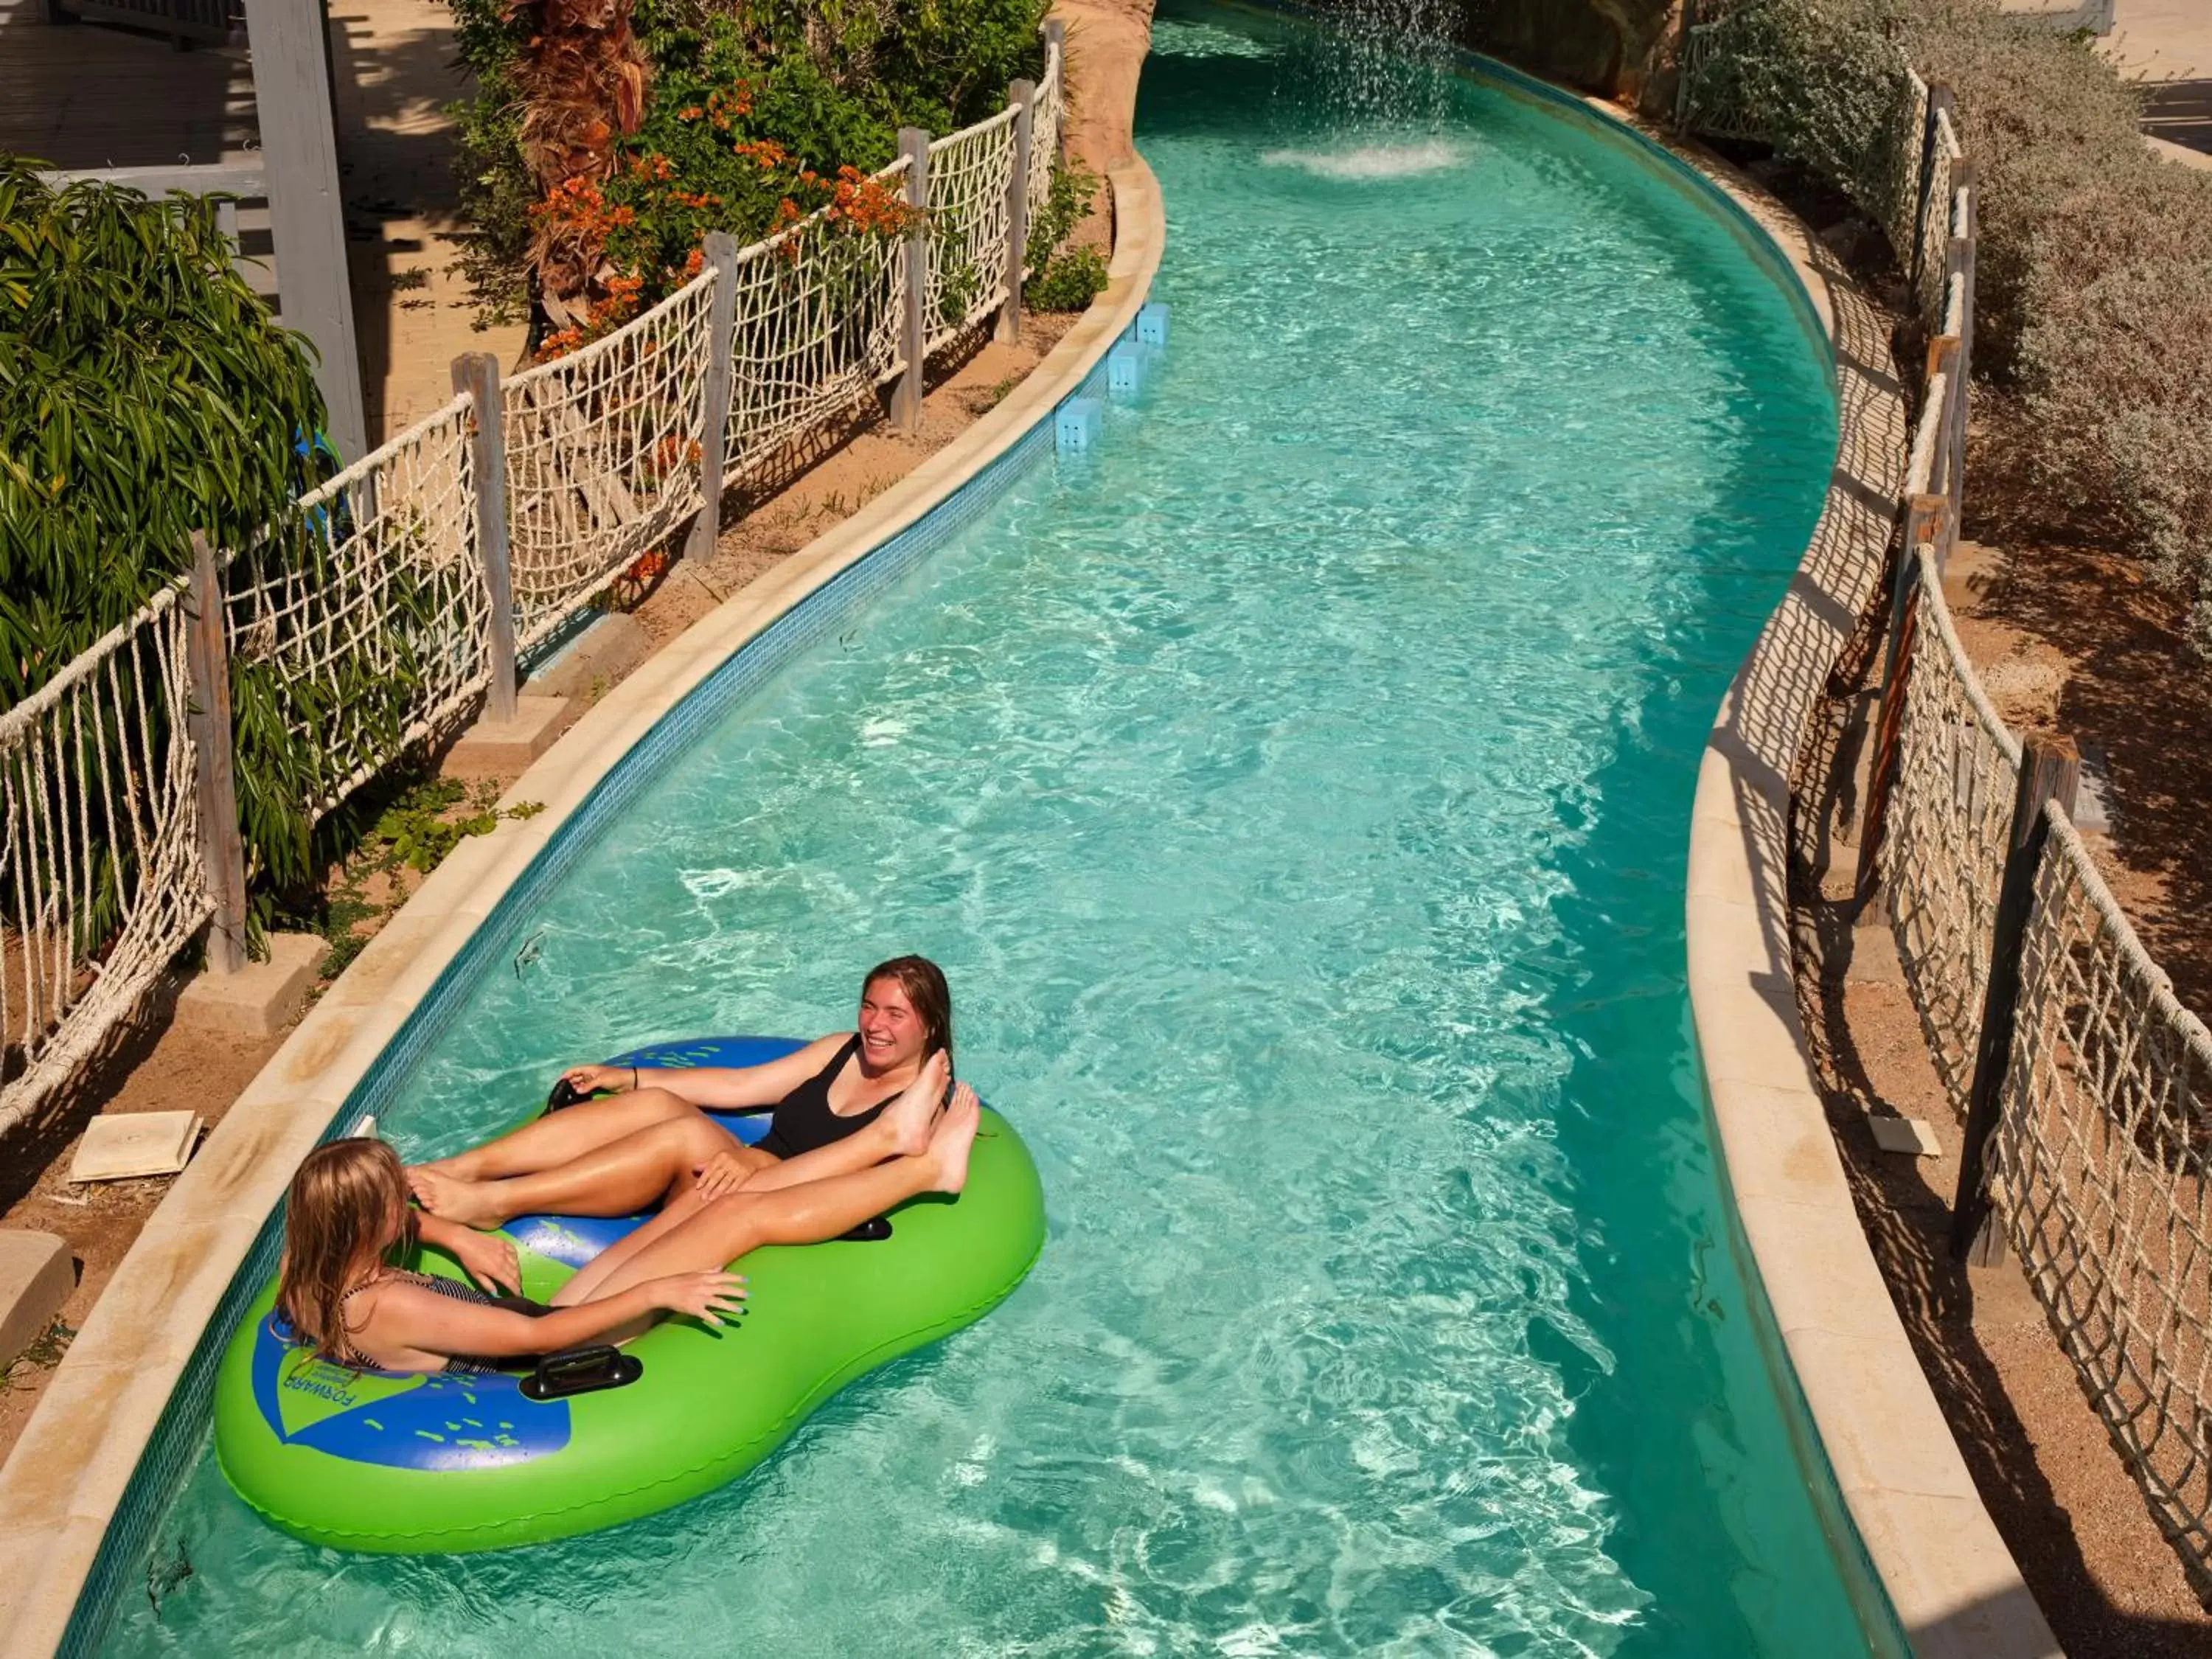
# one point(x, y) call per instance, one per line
point(181, 1436)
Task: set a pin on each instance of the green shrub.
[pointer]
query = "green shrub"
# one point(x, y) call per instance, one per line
point(145, 392)
point(1063, 278)
point(2093, 266)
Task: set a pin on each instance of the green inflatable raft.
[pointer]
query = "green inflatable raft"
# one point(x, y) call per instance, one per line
point(410, 1464)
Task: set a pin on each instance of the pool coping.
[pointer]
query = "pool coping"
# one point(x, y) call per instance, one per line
point(1949, 1577)
point(61, 1485)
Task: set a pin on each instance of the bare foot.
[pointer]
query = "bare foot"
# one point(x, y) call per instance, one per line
point(949, 1143)
point(471, 1203)
point(908, 1116)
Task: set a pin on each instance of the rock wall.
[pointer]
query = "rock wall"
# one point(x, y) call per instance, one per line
point(1620, 49)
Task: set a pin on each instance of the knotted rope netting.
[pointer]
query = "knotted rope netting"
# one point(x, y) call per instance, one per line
point(817, 329)
point(363, 624)
point(2099, 1168)
point(969, 176)
point(603, 456)
point(100, 876)
point(360, 626)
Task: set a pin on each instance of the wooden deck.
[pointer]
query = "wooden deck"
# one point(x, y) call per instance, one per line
point(86, 95)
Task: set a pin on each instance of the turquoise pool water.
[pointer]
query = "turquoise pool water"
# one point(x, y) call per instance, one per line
point(1297, 792)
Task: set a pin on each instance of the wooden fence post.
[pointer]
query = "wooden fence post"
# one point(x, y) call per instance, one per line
point(476, 374)
point(223, 847)
point(2050, 769)
point(1055, 40)
point(1964, 177)
point(1943, 461)
point(914, 331)
point(1939, 99)
point(1023, 96)
point(1924, 517)
point(715, 402)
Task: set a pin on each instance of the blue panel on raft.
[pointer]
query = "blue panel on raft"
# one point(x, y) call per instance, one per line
point(573, 1240)
point(397, 1420)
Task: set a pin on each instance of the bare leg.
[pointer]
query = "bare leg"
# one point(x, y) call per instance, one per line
point(558, 1137)
point(726, 1228)
point(615, 1179)
point(680, 1208)
point(902, 1131)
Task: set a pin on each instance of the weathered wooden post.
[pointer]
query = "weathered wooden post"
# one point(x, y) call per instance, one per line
point(1056, 41)
point(1943, 459)
point(1964, 179)
point(475, 374)
point(714, 400)
point(1924, 519)
point(914, 331)
point(299, 153)
point(223, 847)
point(2050, 769)
point(1023, 96)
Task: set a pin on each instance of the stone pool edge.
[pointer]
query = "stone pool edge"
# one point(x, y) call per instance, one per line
point(61, 1485)
point(1949, 1576)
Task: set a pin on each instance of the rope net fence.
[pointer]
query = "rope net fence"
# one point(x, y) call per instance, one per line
point(359, 628)
point(969, 176)
point(1936, 222)
point(100, 878)
point(603, 456)
point(2102, 1129)
point(818, 329)
point(1950, 818)
point(2099, 1167)
point(363, 623)
point(1045, 118)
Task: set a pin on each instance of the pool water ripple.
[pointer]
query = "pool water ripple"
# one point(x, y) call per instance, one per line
point(1297, 792)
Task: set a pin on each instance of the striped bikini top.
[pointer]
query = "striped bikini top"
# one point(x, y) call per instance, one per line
point(342, 1352)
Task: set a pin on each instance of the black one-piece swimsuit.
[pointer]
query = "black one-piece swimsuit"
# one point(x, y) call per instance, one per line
point(802, 1119)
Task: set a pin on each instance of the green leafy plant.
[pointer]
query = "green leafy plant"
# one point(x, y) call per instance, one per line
point(145, 393)
point(1061, 277)
point(420, 828)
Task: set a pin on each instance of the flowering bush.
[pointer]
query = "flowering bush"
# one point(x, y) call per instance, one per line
point(743, 119)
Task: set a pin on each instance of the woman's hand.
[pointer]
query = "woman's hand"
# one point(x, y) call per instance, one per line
point(718, 1175)
point(489, 1258)
point(714, 1296)
point(590, 1080)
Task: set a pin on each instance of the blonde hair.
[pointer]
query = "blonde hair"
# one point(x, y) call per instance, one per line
point(336, 1216)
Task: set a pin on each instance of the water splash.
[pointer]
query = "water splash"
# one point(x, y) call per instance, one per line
point(1359, 162)
point(1381, 63)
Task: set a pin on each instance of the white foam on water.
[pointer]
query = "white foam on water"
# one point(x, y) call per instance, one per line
point(1373, 160)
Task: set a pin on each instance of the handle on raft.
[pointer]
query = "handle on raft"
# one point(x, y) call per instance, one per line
point(582, 1371)
point(564, 1093)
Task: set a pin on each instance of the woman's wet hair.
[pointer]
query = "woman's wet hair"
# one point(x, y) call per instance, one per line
point(342, 1201)
point(931, 998)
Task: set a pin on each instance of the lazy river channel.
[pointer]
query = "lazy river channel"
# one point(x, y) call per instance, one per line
point(1295, 789)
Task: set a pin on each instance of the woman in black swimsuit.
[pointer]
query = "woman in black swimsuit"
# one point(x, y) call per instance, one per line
point(650, 1143)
